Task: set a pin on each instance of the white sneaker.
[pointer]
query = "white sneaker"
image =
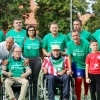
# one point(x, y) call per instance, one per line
point(85, 97)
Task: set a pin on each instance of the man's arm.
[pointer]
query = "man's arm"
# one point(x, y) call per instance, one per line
point(41, 54)
point(63, 53)
point(69, 65)
point(46, 53)
point(69, 62)
point(3, 37)
point(27, 72)
point(45, 66)
point(44, 70)
point(44, 46)
point(4, 72)
point(5, 62)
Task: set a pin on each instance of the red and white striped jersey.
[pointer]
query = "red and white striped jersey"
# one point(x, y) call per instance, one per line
point(49, 66)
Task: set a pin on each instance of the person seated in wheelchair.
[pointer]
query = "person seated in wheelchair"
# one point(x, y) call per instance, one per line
point(54, 68)
point(16, 72)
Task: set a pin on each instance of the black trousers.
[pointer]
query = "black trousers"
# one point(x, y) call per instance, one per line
point(35, 65)
point(95, 86)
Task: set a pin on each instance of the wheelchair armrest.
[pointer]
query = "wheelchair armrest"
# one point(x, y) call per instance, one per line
point(72, 81)
point(3, 77)
point(29, 78)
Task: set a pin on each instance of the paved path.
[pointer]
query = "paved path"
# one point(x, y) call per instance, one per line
point(58, 98)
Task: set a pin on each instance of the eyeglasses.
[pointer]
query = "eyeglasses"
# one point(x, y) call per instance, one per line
point(31, 30)
point(17, 51)
point(18, 22)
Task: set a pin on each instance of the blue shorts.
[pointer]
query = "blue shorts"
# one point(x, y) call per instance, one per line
point(77, 72)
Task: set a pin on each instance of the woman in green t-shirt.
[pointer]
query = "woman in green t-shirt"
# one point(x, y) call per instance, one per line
point(32, 51)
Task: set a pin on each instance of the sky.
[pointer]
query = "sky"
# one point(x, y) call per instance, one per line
point(89, 6)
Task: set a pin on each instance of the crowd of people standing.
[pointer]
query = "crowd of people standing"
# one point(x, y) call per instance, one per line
point(76, 45)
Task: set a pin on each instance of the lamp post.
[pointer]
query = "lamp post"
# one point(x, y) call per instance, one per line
point(70, 15)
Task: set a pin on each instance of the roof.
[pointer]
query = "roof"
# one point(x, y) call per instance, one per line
point(31, 19)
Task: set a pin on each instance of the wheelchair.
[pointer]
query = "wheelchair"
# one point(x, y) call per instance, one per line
point(43, 93)
point(16, 87)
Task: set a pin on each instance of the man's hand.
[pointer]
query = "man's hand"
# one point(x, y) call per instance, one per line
point(88, 80)
point(4, 68)
point(26, 62)
point(61, 73)
point(63, 53)
point(45, 71)
point(23, 75)
point(69, 72)
point(49, 54)
point(5, 62)
point(9, 74)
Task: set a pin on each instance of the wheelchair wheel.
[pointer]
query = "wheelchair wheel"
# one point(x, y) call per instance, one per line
point(40, 87)
point(74, 97)
point(42, 91)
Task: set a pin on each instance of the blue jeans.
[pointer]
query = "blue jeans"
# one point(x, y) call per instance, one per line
point(51, 85)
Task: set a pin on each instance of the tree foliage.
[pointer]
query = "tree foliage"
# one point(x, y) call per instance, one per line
point(10, 9)
point(94, 22)
point(57, 11)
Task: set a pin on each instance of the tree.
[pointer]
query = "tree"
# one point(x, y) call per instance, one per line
point(94, 22)
point(10, 9)
point(57, 11)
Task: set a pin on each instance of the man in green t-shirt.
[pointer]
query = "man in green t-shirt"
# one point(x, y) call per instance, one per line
point(2, 37)
point(16, 72)
point(77, 24)
point(96, 35)
point(77, 51)
point(17, 33)
point(54, 38)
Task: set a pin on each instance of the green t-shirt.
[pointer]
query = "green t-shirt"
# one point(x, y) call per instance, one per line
point(96, 35)
point(78, 53)
point(31, 48)
point(18, 36)
point(83, 34)
point(49, 40)
point(2, 37)
point(16, 67)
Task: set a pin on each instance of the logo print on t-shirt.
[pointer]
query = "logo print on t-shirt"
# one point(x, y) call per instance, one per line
point(74, 54)
point(29, 47)
point(18, 35)
point(96, 66)
point(58, 69)
point(98, 57)
point(78, 74)
point(91, 57)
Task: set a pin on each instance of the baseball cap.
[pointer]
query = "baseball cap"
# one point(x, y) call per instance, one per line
point(55, 47)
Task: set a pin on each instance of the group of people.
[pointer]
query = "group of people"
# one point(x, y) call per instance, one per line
point(31, 52)
point(56, 66)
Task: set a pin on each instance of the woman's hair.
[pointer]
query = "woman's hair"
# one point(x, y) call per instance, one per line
point(30, 26)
